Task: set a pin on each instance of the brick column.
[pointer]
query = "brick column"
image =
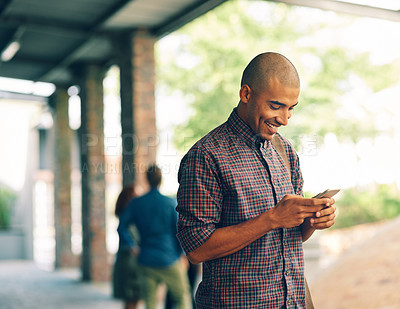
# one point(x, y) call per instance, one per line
point(94, 252)
point(62, 181)
point(144, 103)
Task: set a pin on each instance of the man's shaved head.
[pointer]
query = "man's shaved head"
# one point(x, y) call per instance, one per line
point(269, 65)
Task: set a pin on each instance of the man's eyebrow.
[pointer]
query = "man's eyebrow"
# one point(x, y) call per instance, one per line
point(282, 104)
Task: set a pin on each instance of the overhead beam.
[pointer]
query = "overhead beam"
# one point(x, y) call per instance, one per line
point(118, 5)
point(91, 34)
point(4, 5)
point(45, 27)
point(22, 97)
point(192, 12)
point(79, 52)
point(34, 61)
point(62, 28)
point(346, 7)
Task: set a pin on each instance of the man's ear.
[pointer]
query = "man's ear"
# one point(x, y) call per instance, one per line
point(245, 93)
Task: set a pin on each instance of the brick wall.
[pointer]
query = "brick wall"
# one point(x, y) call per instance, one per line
point(94, 256)
point(62, 182)
point(144, 103)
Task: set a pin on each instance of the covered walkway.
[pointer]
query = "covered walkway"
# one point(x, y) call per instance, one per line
point(74, 43)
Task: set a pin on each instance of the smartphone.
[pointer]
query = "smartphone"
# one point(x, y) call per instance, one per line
point(327, 193)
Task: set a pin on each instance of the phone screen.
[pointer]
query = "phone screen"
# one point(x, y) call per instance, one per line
point(327, 193)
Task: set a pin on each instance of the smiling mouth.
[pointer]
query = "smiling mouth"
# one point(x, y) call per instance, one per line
point(272, 129)
point(271, 125)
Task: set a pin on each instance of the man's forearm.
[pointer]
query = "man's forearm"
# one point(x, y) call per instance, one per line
point(228, 240)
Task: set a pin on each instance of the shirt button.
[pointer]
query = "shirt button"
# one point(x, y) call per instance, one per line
point(285, 242)
point(287, 273)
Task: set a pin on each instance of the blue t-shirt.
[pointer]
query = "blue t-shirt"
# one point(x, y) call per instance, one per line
point(155, 218)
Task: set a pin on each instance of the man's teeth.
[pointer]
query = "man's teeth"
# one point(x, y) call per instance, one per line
point(270, 125)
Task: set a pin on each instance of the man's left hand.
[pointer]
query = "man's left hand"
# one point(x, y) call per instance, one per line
point(324, 219)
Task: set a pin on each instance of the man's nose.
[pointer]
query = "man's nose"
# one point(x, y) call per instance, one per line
point(283, 118)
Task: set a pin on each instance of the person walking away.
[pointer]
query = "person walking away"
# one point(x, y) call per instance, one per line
point(126, 278)
point(160, 255)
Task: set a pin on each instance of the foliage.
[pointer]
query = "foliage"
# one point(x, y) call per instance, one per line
point(366, 205)
point(219, 45)
point(321, 99)
point(7, 199)
point(212, 51)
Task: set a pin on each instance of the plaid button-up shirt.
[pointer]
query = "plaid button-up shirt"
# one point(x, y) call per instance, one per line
point(227, 177)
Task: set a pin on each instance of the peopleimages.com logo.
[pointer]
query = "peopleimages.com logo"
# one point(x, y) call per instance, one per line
point(130, 144)
point(115, 145)
point(119, 168)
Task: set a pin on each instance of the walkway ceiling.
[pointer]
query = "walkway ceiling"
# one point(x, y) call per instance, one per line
point(51, 36)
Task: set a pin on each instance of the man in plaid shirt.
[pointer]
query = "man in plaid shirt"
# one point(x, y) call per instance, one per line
point(241, 211)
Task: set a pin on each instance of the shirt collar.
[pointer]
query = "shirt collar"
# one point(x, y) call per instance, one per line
point(243, 130)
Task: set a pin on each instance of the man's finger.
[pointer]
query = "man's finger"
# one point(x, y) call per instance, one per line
point(312, 209)
point(318, 201)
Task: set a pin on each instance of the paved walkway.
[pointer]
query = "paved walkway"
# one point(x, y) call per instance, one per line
point(365, 276)
point(24, 286)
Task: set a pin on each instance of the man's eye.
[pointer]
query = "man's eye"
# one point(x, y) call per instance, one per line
point(274, 106)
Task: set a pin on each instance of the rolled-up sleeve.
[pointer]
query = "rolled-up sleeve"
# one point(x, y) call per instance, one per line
point(199, 199)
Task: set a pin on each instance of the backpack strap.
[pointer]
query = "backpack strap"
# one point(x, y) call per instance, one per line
point(278, 145)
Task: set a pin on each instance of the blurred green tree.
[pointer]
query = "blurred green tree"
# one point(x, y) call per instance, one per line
point(212, 51)
point(7, 199)
point(368, 204)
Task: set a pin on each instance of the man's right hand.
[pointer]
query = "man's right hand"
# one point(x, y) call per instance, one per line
point(293, 209)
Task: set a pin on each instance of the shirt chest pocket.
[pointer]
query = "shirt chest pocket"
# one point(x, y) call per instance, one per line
point(247, 192)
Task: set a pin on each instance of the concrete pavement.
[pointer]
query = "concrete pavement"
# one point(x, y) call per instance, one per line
point(24, 286)
point(366, 275)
